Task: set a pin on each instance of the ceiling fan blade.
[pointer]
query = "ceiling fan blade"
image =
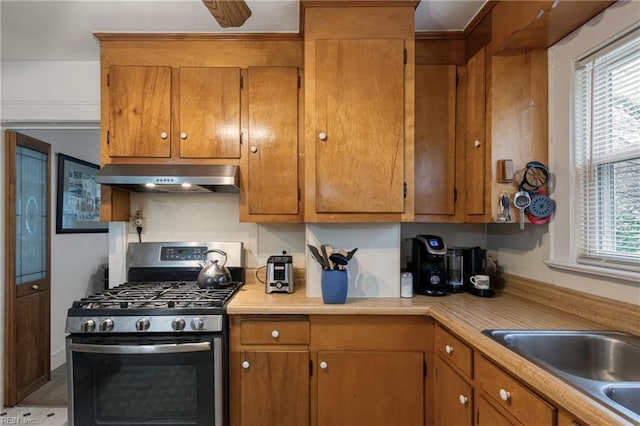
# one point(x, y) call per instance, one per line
point(228, 13)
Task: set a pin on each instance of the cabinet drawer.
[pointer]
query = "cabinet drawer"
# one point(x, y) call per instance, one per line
point(453, 349)
point(275, 332)
point(512, 396)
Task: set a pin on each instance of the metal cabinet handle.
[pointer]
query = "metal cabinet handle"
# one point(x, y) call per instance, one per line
point(448, 349)
point(463, 399)
point(477, 143)
point(35, 287)
point(504, 395)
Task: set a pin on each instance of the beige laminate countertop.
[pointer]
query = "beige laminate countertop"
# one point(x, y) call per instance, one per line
point(465, 315)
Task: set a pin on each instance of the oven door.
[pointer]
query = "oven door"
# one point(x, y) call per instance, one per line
point(153, 380)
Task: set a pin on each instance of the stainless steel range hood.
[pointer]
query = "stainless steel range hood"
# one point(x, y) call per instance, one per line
point(170, 178)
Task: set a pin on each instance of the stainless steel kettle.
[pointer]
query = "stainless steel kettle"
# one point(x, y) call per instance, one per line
point(213, 275)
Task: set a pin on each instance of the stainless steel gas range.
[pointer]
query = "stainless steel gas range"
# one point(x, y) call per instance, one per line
point(153, 350)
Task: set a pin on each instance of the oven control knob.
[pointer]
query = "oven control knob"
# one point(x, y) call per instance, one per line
point(143, 324)
point(197, 324)
point(106, 325)
point(178, 324)
point(87, 326)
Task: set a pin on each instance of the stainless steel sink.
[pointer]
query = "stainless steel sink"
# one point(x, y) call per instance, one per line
point(603, 364)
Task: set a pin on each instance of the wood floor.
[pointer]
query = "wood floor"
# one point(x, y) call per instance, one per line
point(51, 394)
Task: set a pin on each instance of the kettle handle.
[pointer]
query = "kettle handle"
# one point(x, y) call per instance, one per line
point(219, 252)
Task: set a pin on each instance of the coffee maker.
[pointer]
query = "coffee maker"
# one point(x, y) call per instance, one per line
point(428, 265)
point(474, 261)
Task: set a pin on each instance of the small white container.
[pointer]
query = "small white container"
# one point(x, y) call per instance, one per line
point(406, 284)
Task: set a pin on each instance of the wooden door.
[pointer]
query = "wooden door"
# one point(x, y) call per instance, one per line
point(370, 388)
point(274, 388)
point(488, 415)
point(273, 140)
point(209, 124)
point(360, 126)
point(139, 111)
point(453, 397)
point(476, 141)
point(435, 140)
point(27, 266)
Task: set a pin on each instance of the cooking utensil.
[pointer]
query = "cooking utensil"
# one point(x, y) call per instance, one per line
point(213, 275)
point(351, 253)
point(317, 256)
point(339, 260)
point(521, 200)
point(327, 251)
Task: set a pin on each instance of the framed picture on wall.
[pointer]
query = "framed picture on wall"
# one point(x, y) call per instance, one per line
point(78, 197)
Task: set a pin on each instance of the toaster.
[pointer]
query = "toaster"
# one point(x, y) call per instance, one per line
point(279, 274)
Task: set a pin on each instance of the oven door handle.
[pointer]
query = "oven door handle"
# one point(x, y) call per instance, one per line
point(141, 349)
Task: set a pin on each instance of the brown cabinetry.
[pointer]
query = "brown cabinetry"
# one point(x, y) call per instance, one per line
point(436, 167)
point(269, 364)
point(453, 394)
point(506, 395)
point(370, 369)
point(359, 86)
point(270, 167)
point(506, 120)
point(205, 103)
point(526, 25)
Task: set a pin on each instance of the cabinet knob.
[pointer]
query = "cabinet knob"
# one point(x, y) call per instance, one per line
point(245, 364)
point(504, 395)
point(275, 334)
point(254, 149)
point(448, 349)
point(35, 287)
point(163, 135)
point(323, 365)
point(183, 135)
point(477, 143)
point(322, 136)
point(463, 399)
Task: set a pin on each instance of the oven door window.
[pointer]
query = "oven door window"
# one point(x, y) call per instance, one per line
point(145, 383)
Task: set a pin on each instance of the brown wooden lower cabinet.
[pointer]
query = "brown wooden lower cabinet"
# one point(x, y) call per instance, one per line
point(453, 396)
point(274, 388)
point(328, 370)
point(370, 388)
point(488, 415)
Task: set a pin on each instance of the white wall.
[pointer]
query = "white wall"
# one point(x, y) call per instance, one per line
point(525, 252)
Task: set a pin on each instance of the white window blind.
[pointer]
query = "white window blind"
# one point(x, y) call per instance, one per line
point(607, 155)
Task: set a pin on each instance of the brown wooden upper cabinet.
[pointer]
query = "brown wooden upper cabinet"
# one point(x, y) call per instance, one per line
point(270, 163)
point(436, 167)
point(359, 102)
point(205, 104)
point(519, 26)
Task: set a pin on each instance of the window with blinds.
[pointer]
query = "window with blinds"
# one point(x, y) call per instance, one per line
point(607, 155)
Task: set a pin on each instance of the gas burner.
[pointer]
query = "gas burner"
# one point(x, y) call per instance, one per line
point(158, 295)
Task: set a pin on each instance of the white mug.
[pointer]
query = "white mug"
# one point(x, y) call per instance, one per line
point(480, 281)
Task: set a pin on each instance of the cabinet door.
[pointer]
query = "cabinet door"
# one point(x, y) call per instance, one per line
point(476, 141)
point(487, 415)
point(274, 388)
point(360, 126)
point(370, 388)
point(139, 111)
point(453, 397)
point(273, 140)
point(435, 140)
point(209, 124)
